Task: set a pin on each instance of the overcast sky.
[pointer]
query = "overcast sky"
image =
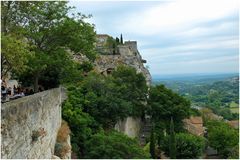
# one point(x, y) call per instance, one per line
point(174, 36)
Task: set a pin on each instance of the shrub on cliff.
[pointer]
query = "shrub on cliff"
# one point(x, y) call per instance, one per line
point(114, 145)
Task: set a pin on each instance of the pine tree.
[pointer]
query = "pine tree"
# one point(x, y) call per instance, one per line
point(152, 144)
point(172, 141)
point(121, 39)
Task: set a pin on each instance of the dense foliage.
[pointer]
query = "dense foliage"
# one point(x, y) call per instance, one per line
point(51, 33)
point(164, 104)
point(152, 147)
point(188, 146)
point(222, 137)
point(132, 87)
point(14, 54)
point(172, 142)
point(113, 145)
point(102, 100)
point(97, 102)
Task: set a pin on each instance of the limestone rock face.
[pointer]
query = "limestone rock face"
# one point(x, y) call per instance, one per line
point(127, 55)
point(129, 126)
point(30, 125)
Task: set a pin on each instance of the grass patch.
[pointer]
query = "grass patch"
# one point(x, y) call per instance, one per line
point(233, 105)
point(234, 110)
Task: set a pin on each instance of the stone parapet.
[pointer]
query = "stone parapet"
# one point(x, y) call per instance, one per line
point(30, 124)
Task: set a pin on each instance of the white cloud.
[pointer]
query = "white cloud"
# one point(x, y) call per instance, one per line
point(176, 15)
point(210, 30)
point(189, 49)
point(223, 64)
point(211, 60)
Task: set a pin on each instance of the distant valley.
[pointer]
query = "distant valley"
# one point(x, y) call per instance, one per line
point(218, 92)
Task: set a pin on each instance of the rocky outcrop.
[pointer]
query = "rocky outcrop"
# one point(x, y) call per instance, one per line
point(129, 126)
point(129, 55)
point(30, 124)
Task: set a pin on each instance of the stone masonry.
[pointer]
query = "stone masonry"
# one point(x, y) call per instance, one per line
point(30, 125)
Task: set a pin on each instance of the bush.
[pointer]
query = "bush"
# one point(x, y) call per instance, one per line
point(222, 137)
point(188, 146)
point(114, 145)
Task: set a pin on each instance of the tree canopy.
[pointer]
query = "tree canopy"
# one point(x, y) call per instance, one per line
point(188, 146)
point(132, 87)
point(222, 137)
point(51, 32)
point(164, 104)
point(114, 145)
point(98, 102)
point(15, 53)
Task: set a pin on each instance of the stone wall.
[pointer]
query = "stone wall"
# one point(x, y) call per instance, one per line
point(30, 124)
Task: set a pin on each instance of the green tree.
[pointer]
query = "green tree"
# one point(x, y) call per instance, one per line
point(152, 144)
point(131, 86)
point(113, 145)
point(164, 103)
point(222, 137)
point(47, 26)
point(103, 101)
point(15, 54)
point(82, 125)
point(172, 141)
point(188, 146)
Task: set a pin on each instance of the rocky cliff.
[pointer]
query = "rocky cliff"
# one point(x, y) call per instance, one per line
point(127, 54)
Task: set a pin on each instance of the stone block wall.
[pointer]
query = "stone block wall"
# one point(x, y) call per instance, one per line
point(30, 124)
